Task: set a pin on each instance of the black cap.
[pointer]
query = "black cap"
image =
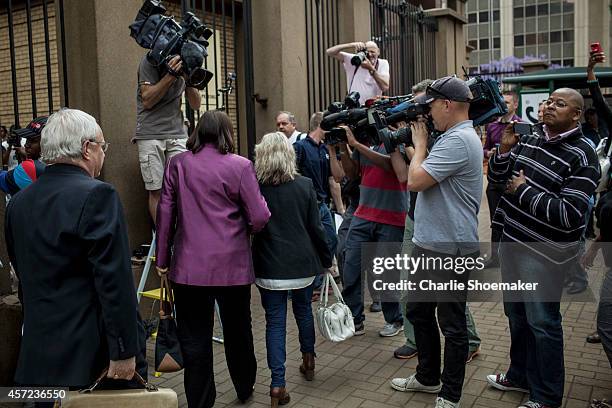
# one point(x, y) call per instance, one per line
point(450, 87)
point(33, 129)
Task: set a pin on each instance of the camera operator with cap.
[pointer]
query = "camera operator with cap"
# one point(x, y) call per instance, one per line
point(365, 72)
point(449, 182)
point(159, 121)
point(401, 162)
point(28, 171)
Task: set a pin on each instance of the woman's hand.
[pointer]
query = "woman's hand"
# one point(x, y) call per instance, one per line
point(161, 271)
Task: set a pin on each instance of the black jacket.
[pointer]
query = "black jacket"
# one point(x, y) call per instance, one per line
point(293, 243)
point(67, 240)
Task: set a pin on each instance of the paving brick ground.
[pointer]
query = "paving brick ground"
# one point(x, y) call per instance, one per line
point(356, 373)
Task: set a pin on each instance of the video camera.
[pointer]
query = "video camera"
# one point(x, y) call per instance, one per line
point(371, 125)
point(165, 38)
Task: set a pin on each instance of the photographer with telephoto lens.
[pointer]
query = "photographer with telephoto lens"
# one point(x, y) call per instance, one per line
point(365, 72)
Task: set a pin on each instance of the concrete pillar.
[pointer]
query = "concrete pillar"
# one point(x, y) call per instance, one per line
point(581, 32)
point(10, 327)
point(506, 28)
point(279, 30)
point(598, 30)
point(450, 41)
point(102, 63)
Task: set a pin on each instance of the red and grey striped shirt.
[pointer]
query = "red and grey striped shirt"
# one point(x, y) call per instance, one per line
point(382, 198)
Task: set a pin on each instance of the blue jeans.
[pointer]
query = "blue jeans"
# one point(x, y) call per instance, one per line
point(362, 231)
point(330, 231)
point(536, 349)
point(275, 305)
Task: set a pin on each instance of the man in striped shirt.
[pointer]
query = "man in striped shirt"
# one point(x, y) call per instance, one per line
point(550, 178)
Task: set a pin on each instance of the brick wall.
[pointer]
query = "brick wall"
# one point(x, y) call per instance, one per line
point(24, 88)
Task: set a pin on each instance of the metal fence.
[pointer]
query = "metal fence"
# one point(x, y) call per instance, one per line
point(223, 17)
point(324, 73)
point(406, 38)
point(34, 81)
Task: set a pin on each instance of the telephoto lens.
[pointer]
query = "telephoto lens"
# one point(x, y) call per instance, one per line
point(358, 58)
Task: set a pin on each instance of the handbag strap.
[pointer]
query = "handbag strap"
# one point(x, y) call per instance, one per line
point(324, 290)
point(148, 386)
point(166, 295)
point(337, 292)
point(329, 280)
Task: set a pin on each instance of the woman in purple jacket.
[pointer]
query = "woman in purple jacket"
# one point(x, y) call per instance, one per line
point(210, 204)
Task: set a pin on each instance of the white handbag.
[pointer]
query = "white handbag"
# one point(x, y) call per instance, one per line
point(335, 321)
point(604, 165)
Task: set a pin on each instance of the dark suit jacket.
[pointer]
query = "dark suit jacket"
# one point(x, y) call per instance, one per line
point(67, 240)
point(293, 243)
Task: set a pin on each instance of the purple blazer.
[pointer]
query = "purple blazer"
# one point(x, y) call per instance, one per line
point(210, 203)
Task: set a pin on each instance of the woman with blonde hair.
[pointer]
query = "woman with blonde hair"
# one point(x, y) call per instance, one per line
point(287, 255)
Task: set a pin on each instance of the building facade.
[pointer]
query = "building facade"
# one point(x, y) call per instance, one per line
point(556, 31)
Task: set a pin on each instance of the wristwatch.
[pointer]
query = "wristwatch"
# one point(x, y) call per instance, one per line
point(372, 71)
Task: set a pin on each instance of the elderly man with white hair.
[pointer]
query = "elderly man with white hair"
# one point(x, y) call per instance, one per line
point(67, 239)
point(370, 75)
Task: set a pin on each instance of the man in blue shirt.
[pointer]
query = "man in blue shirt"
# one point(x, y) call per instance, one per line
point(315, 162)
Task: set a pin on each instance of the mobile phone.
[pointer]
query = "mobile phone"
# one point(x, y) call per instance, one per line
point(595, 47)
point(522, 128)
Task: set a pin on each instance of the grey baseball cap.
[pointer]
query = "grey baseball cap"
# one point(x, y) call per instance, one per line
point(450, 87)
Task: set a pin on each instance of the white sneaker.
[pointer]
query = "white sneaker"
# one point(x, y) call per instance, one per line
point(411, 384)
point(391, 329)
point(442, 403)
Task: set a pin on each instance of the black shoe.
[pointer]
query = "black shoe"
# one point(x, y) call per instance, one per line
point(593, 338)
point(246, 397)
point(574, 288)
point(491, 263)
point(359, 329)
point(405, 352)
point(376, 307)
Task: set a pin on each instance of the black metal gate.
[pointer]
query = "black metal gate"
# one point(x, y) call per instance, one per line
point(324, 73)
point(223, 17)
point(406, 39)
point(34, 86)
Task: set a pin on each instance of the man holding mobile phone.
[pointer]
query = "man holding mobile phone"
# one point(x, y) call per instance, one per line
point(494, 131)
point(541, 215)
